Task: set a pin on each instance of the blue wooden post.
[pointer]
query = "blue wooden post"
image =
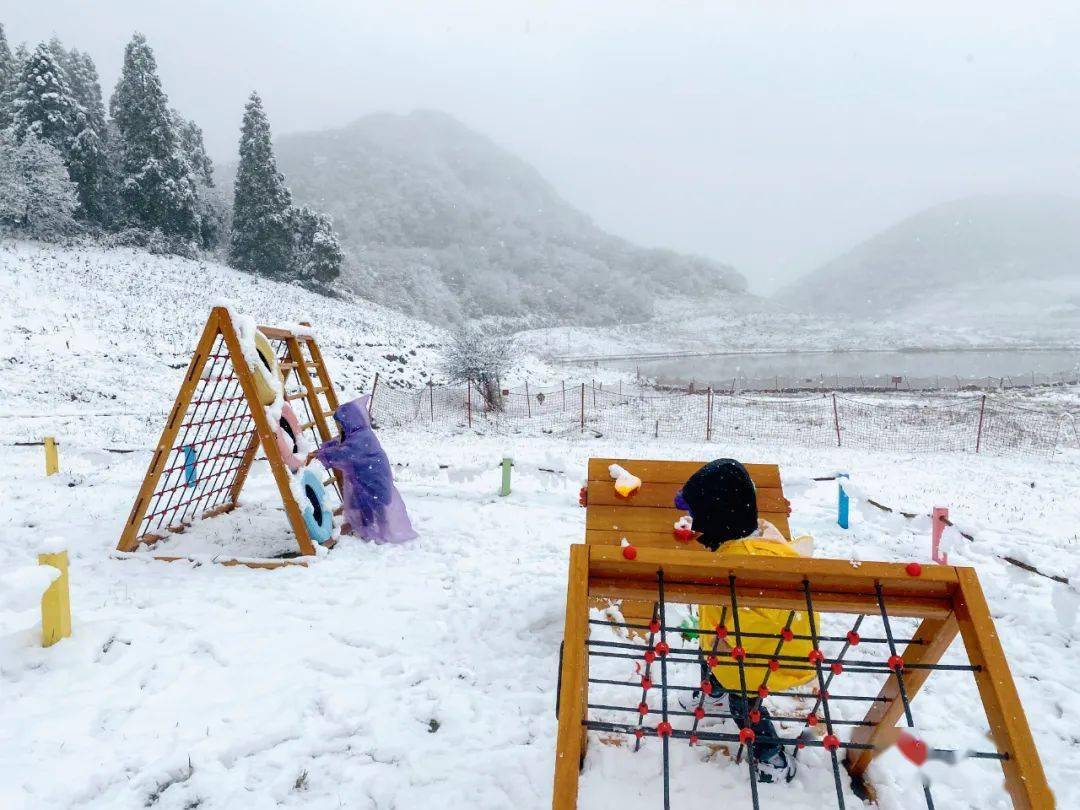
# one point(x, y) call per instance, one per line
point(843, 504)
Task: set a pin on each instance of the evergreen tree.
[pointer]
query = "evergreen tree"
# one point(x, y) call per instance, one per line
point(88, 158)
point(8, 72)
point(261, 231)
point(156, 186)
point(190, 136)
point(317, 254)
point(42, 102)
point(36, 196)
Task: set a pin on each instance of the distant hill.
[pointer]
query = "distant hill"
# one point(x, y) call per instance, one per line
point(982, 259)
point(440, 222)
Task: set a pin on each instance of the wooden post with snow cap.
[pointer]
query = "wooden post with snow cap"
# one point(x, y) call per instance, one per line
point(52, 458)
point(56, 601)
point(937, 528)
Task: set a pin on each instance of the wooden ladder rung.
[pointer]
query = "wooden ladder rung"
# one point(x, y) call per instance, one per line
point(287, 365)
point(295, 395)
point(307, 425)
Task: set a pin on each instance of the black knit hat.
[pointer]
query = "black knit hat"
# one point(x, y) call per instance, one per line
point(722, 501)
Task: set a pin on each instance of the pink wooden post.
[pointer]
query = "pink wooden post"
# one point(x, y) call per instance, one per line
point(941, 514)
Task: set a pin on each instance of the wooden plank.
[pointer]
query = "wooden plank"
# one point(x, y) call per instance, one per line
point(1025, 780)
point(766, 597)
point(704, 567)
point(644, 518)
point(128, 538)
point(662, 495)
point(265, 432)
point(676, 472)
point(938, 634)
point(573, 684)
point(266, 565)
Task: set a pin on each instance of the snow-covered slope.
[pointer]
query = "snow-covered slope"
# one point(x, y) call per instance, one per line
point(86, 330)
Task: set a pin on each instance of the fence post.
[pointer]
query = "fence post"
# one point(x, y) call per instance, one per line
point(564, 395)
point(836, 419)
point(583, 407)
point(56, 601)
point(708, 414)
point(468, 400)
point(52, 458)
point(982, 413)
point(941, 514)
point(431, 399)
point(528, 405)
point(504, 490)
point(371, 399)
point(843, 504)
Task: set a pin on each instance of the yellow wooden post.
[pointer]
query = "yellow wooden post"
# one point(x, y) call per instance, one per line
point(52, 460)
point(56, 601)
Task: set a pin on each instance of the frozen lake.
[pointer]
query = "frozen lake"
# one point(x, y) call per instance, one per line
point(872, 368)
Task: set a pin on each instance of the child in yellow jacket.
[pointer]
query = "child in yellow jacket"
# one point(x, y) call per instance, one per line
point(722, 501)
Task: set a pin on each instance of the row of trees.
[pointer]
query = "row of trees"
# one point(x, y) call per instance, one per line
point(141, 172)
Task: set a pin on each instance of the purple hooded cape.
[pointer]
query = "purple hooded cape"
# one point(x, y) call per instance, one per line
point(372, 504)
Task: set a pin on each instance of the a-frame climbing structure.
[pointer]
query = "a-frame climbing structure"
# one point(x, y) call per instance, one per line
point(246, 387)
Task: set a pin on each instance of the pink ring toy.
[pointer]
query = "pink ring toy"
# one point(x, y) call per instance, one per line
point(288, 438)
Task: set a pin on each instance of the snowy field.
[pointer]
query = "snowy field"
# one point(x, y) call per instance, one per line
point(387, 677)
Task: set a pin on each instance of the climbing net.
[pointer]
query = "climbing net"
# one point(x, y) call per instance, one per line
point(214, 447)
point(863, 670)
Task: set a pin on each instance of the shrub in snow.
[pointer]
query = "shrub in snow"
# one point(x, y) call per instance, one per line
point(37, 198)
point(317, 256)
point(484, 358)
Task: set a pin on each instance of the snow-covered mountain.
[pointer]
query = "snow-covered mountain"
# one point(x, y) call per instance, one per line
point(1006, 265)
point(439, 221)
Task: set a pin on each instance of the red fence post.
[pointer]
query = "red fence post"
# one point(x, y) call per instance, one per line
point(708, 414)
point(982, 413)
point(836, 419)
point(468, 400)
point(583, 407)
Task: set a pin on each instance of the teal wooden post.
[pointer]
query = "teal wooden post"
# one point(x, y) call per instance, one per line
point(507, 463)
point(843, 505)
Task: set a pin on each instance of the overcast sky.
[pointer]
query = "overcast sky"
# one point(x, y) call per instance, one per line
point(771, 135)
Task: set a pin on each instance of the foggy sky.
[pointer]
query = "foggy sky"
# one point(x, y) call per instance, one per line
point(772, 135)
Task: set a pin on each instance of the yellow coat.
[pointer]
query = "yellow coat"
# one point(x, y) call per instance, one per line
point(758, 620)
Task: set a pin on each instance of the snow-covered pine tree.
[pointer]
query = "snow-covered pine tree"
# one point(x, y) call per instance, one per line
point(317, 255)
point(88, 160)
point(37, 197)
point(157, 189)
point(8, 72)
point(190, 137)
point(42, 104)
point(261, 229)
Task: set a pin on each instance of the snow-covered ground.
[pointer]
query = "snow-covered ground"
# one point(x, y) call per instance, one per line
point(405, 677)
point(398, 677)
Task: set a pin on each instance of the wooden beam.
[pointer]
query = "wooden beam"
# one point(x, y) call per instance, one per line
point(676, 472)
point(129, 539)
point(937, 634)
point(659, 494)
point(1025, 780)
point(573, 684)
point(265, 433)
point(758, 596)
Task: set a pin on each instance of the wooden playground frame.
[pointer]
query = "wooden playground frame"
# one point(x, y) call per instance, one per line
point(948, 600)
point(302, 358)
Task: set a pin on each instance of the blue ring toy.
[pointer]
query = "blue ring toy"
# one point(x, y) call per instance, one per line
point(318, 517)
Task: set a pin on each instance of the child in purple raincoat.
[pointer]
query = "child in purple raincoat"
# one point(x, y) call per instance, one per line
point(373, 507)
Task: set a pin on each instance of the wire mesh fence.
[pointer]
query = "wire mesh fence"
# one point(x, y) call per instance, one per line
point(929, 423)
point(890, 382)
